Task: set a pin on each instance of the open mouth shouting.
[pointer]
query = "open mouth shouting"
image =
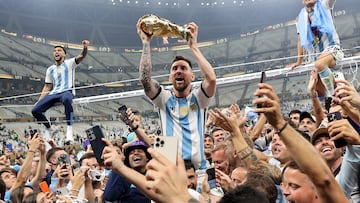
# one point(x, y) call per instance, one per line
point(137, 159)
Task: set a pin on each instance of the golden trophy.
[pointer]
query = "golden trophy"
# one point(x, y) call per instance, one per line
point(156, 26)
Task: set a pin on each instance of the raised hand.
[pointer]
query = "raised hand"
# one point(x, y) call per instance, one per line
point(270, 105)
point(343, 129)
point(346, 92)
point(143, 36)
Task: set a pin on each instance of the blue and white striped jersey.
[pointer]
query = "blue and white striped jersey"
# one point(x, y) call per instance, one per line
point(185, 118)
point(61, 77)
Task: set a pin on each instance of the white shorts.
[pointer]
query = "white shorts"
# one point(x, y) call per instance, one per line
point(336, 51)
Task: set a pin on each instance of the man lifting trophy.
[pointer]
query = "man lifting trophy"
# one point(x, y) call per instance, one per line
point(183, 108)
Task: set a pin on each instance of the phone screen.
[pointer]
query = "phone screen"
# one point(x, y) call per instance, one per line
point(211, 177)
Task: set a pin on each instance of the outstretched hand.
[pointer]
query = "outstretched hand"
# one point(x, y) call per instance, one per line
point(192, 32)
point(343, 129)
point(293, 65)
point(346, 92)
point(228, 123)
point(240, 117)
point(313, 81)
point(113, 158)
point(270, 105)
point(85, 43)
point(167, 180)
point(143, 36)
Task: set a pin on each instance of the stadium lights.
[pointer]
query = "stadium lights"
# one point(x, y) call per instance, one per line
point(182, 4)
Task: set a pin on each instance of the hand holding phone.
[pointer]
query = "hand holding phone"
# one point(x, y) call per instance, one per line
point(167, 146)
point(44, 187)
point(341, 142)
point(262, 80)
point(63, 161)
point(95, 135)
point(123, 114)
point(32, 133)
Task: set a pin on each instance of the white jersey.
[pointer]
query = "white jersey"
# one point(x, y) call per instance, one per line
point(185, 118)
point(325, 40)
point(61, 77)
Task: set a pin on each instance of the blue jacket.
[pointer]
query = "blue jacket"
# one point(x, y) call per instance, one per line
point(118, 189)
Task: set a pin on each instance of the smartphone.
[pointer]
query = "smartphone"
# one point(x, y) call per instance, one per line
point(75, 166)
point(211, 177)
point(328, 101)
point(44, 187)
point(167, 146)
point(124, 116)
point(32, 133)
point(262, 80)
point(339, 76)
point(333, 117)
point(95, 135)
point(63, 159)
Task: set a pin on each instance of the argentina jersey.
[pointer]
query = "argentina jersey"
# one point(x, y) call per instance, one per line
point(61, 77)
point(185, 118)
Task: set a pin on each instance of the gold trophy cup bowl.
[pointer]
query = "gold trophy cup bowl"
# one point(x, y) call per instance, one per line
point(160, 27)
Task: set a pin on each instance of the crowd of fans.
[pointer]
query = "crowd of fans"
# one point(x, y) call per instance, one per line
point(274, 158)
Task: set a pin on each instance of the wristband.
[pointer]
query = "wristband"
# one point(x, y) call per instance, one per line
point(282, 128)
point(133, 129)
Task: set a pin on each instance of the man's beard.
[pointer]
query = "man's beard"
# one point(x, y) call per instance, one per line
point(58, 59)
point(181, 88)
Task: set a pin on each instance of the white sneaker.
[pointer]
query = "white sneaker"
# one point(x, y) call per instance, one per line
point(49, 132)
point(69, 135)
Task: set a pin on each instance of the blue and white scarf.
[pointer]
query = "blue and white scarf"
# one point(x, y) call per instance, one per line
point(320, 19)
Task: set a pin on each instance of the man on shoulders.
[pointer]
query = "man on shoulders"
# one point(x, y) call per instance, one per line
point(182, 109)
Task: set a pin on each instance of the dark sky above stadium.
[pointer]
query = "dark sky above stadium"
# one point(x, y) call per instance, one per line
point(112, 23)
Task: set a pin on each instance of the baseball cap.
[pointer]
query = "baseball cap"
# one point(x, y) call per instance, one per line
point(137, 144)
point(320, 132)
point(306, 114)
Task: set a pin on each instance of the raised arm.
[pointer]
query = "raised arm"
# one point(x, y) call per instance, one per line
point(114, 160)
point(345, 91)
point(24, 172)
point(244, 152)
point(209, 82)
point(83, 52)
point(40, 171)
point(301, 150)
point(319, 113)
point(151, 86)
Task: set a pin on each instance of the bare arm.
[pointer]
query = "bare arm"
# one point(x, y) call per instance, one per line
point(300, 52)
point(83, 52)
point(115, 162)
point(255, 132)
point(319, 115)
point(45, 91)
point(40, 171)
point(243, 151)
point(24, 172)
point(301, 150)
point(151, 86)
point(89, 190)
point(209, 82)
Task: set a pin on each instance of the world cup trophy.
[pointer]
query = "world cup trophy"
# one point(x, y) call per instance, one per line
point(156, 26)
